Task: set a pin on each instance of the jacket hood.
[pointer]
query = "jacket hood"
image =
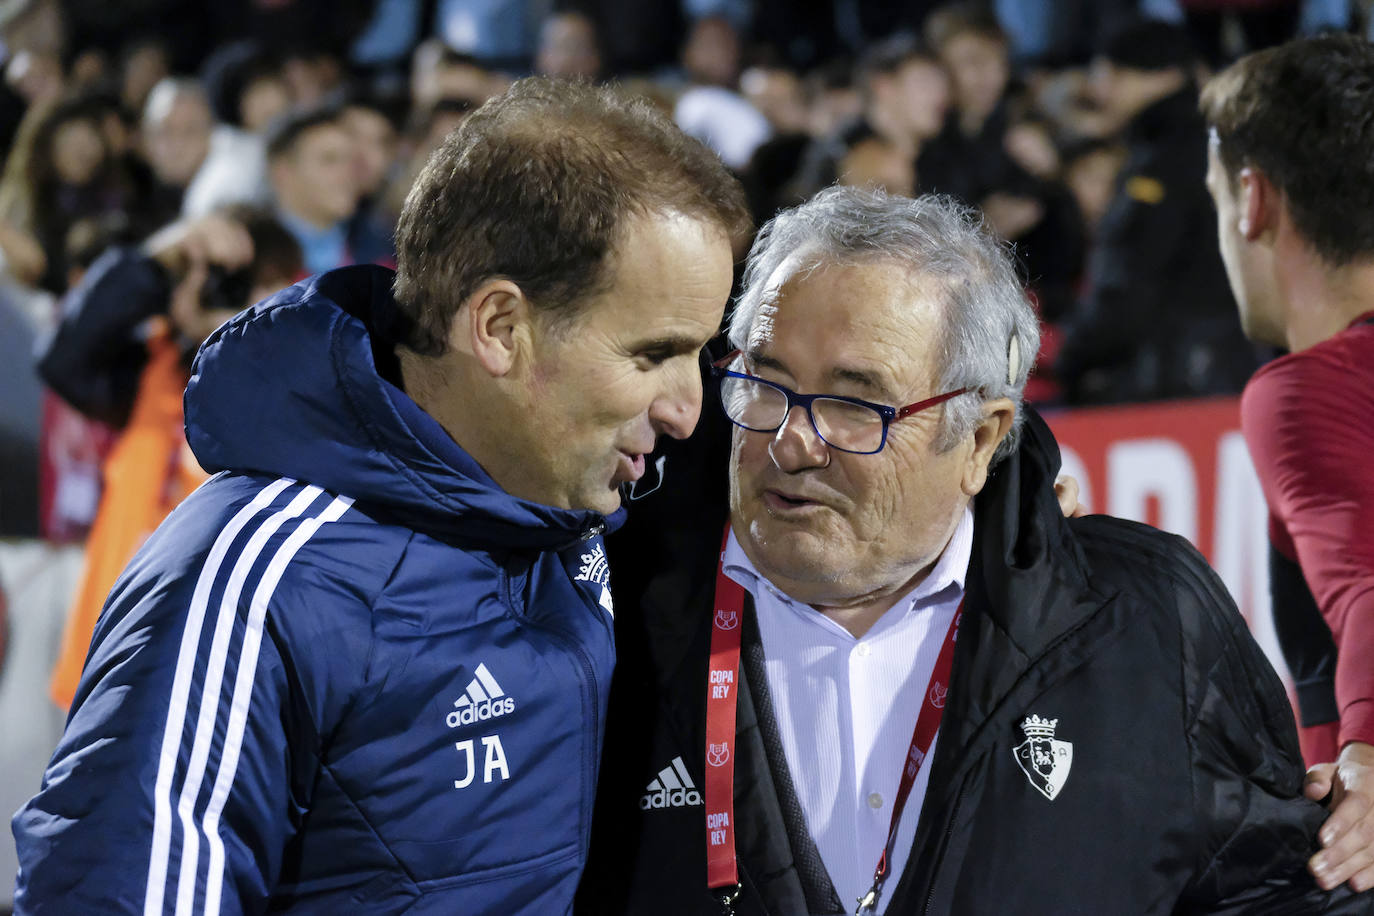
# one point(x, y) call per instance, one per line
point(291, 388)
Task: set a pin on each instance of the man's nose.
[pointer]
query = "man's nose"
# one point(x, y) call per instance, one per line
point(678, 407)
point(796, 445)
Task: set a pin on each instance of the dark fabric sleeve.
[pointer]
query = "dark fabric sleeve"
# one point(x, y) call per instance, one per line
point(1305, 640)
point(1258, 830)
point(94, 358)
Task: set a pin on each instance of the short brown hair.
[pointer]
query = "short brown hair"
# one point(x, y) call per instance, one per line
point(948, 22)
point(1301, 114)
point(534, 187)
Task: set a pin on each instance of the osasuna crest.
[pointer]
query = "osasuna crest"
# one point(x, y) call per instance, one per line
point(1044, 760)
point(726, 620)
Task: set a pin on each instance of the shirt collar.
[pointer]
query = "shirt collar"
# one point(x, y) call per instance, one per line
point(950, 569)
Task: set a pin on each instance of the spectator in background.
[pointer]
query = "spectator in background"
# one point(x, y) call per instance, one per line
point(1157, 320)
point(973, 160)
point(143, 63)
point(73, 446)
point(428, 129)
point(60, 170)
point(121, 356)
point(371, 124)
point(1091, 169)
point(310, 161)
point(1011, 176)
point(778, 94)
point(174, 137)
point(1289, 166)
point(568, 47)
point(833, 100)
point(247, 92)
point(711, 109)
point(905, 93)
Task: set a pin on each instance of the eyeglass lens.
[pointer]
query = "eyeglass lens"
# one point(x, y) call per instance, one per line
point(757, 405)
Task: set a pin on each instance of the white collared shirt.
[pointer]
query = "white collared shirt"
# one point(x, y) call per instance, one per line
point(846, 709)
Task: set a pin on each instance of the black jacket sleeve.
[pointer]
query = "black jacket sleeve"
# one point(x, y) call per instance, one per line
point(94, 358)
point(1247, 771)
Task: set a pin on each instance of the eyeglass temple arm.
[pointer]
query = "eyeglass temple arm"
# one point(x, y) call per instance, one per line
point(910, 409)
point(726, 360)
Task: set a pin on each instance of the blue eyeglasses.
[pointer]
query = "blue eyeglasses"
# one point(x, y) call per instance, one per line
point(848, 424)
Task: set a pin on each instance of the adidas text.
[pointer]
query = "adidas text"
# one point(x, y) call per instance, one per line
point(664, 798)
point(487, 709)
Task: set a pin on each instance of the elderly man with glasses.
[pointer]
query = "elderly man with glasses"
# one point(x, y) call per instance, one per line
point(868, 660)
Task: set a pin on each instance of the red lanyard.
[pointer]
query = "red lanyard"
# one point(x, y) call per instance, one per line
point(722, 871)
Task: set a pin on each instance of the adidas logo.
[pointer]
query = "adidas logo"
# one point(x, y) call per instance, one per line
point(672, 788)
point(484, 699)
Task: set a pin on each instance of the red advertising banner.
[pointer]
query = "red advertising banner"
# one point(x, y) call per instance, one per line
point(1181, 466)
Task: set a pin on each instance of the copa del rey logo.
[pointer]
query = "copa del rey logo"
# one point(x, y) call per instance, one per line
point(726, 620)
point(1044, 760)
point(718, 755)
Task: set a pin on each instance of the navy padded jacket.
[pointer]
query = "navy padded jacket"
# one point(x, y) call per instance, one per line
point(348, 674)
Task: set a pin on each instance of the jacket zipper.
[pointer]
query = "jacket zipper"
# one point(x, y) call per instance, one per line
point(589, 767)
point(944, 846)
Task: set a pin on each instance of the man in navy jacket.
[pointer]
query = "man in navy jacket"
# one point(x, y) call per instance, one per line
point(364, 667)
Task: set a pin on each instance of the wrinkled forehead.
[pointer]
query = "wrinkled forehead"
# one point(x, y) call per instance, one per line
point(863, 308)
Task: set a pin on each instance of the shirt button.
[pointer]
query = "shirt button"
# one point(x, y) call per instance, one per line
point(864, 651)
point(875, 800)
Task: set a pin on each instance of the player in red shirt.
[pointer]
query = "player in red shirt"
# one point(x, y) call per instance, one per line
point(1290, 170)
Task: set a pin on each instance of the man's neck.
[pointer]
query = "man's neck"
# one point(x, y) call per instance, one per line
point(856, 612)
point(1322, 301)
point(438, 388)
point(858, 619)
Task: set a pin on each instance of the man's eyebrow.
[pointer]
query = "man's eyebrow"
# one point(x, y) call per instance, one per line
point(764, 362)
point(870, 382)
point(672, 343)
point(861, 377)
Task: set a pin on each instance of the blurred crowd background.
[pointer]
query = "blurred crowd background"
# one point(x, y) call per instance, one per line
point(166, 162)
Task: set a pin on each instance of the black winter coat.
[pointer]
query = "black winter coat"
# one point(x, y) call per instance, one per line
point(1184, 790)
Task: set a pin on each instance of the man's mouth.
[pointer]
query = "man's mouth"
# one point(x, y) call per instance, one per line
point(782, 502)
point(629, 468)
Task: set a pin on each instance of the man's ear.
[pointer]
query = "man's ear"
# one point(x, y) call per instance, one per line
point(1258, 204)
point(493, 325)
point(987, 435)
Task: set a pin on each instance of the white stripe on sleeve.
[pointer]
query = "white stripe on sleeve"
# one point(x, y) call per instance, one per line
point(181, 689)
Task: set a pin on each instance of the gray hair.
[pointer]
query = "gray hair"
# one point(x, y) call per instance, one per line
point(990, 332)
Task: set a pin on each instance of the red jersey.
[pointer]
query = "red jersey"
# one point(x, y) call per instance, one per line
point(1308, 420)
